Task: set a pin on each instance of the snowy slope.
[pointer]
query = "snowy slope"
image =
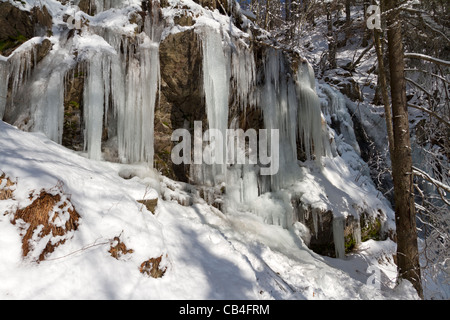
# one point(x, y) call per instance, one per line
point(208, 255)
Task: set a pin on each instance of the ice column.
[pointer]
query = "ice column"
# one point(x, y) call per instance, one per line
point(216, 79)
point(279, 106)
point(243, 73)
point(94, 100)
point(338, 236)
point(47, 101)
point(4, 79)
point(309, 113)
point(133, 76)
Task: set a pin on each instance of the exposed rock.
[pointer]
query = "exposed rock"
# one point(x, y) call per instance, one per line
point(320, 224)
point(17, 26)
point(43, 49)
point(181, 97)
point(88, 6)
point(14, 22)
point(73, 110)
point(344, 81)
point(42, 21)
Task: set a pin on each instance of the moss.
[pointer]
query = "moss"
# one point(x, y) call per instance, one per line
point(371, 231)
point(75, 105)
point(12, 42)
point(350, 244)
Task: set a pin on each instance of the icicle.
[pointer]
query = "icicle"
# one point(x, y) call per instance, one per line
point(135, 79)
point(309, 113)
point(315, 215)
point(4, 80)
point(39, 95)
point(47, 101)
point(216, 77)
point(338, 236)
point(250, 184)
point(19, 70)
point(279, 106)
point(94, 98)
point(243, 73)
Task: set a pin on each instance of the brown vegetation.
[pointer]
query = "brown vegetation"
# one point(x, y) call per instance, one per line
point(119, 249)
point(43, 212)
point(6, 192)
point(151, 268)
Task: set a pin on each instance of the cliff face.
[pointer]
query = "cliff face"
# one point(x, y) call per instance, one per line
point(116, 79)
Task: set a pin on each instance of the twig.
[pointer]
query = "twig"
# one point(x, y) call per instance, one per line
point(79, 250)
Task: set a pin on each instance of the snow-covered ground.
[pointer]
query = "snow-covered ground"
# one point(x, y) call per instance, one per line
point(208, 255)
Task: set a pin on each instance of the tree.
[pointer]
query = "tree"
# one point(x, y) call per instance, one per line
point(401, 159)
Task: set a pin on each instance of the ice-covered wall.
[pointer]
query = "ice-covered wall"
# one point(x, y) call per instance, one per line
point(120, 65)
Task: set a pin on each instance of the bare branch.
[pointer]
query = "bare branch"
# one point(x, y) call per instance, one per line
point(439, 185)
point(427, 72)
point(431, 113)
point(427, 58)
point(419, 86)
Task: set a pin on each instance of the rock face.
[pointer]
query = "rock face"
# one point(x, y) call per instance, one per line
point(181, 96)
point(17, 26)
point(355, 229)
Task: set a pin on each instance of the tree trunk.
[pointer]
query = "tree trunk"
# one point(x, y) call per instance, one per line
point(365, 41)
point(405, 218)
point(266, 18)
point(347, 11)
point(383, 87)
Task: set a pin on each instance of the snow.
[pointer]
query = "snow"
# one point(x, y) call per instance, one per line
point(208, 255)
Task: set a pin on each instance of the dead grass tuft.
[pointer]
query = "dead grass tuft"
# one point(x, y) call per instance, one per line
point(46, 217)
point(6, 188)
point(151, 268)
point(119, 249)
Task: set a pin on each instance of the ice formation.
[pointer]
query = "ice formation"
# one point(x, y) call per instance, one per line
point(216, 79)
point(4, 77)
point(121, 83)
point(94, 101)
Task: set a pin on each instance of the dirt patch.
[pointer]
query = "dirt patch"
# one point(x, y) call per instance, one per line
point(151, 268)
point(46, 223)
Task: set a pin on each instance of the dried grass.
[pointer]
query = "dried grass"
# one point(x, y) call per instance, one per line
point(38, 214)
point(6, 192)
point(151, 267)
point(119, 249)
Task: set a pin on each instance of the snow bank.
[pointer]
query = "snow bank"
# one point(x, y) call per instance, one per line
point(208, 255)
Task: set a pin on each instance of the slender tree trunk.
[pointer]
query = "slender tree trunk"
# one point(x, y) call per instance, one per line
point(405, 218)
point(332, 41)
point(384, 89)
point(266, 18)
point(347, 11)
point(366, 36)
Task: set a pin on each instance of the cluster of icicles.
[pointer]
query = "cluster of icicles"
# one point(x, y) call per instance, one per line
point(124, 83)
